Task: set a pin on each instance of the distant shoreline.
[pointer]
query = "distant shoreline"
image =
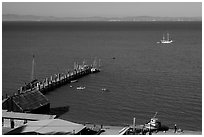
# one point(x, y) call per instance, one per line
point(90, 21)
point(15, 17)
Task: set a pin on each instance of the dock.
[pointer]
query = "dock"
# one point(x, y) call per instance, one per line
point(56, 80)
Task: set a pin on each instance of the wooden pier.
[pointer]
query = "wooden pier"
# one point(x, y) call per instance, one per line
point(35, 89)
point(57, 80)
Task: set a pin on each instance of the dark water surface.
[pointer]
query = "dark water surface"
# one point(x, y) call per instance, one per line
point(144, 77)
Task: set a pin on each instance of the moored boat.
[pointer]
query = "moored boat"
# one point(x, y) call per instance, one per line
point(73, 81)
point(96, 68)
point(153, 124)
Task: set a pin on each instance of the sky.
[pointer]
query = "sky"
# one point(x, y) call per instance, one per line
point(104, 9)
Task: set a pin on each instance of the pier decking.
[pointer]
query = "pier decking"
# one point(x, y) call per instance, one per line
point(57, 80)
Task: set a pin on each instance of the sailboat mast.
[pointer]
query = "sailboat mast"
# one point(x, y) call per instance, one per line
point(95, 63)
point(84, 62)
point(99, 63)
point(163, 37)
point(168, 36)
point(33, 68)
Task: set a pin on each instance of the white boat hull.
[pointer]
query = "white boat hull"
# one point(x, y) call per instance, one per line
point(166, 42)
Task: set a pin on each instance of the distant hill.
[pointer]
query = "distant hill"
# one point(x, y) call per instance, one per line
point(15, 17)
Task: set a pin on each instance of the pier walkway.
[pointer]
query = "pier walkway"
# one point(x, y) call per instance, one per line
point(56, 81)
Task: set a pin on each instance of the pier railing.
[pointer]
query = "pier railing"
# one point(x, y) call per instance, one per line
point(58, 80)
point(55, 81)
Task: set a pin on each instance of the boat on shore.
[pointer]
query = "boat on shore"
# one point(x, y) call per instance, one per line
point(153, 124)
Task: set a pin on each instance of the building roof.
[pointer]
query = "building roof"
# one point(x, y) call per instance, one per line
point(51, 126)
point(26, 116)
point(30, 100)
point(6, 130)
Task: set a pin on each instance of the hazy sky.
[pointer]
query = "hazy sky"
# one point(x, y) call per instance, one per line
point(104, 9)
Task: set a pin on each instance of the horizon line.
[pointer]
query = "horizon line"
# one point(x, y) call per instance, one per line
point(103, 16)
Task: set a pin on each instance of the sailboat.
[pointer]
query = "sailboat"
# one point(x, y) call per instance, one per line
point(33, 81)
point(166, 41)
point(94, 68)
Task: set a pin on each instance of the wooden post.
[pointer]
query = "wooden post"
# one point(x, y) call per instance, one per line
point(150, 129)
point(2, 121)
point(37, 87)
point(134, 125)
point(46, 81)
point(33, 69)
point(43, 85)
point(51, 79)
point(21, 89)
point(58, 77)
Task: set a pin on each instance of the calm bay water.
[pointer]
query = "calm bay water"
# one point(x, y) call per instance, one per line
point(144, 78)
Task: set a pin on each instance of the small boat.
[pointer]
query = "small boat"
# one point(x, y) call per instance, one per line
point(73, 81)
point(70, 86)
point(80, 88)
point(165, 41)
point(153, 124)
point(95, 70)
point(104, 89)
